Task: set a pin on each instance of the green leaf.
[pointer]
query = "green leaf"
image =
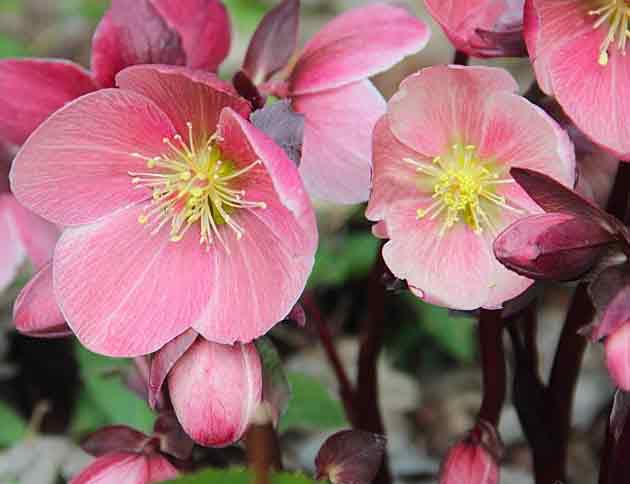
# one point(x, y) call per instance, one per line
point(12, 48)
point(346, 257)
point(454, 334)
point(246, 14)
point(88, 416)
point(239, 476)
point(101, 377)
point(13, 426)
point(311, 406)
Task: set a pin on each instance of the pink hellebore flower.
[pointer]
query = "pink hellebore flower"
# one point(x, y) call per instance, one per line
point(127, 468)
point(131, 32)
point(482, 28)
point(442, 189)
point(579, 54)
point(617, 348)
point(178, 213)
point(329, 85)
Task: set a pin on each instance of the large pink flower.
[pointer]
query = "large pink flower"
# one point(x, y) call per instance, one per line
point(329, 85)
point(131, 32)
point(481, 28)
point(579, 52)
point(178, 213)
point(442, 189)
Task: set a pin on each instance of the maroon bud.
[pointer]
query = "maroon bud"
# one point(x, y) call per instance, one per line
point(215, 389)
point(350, 457)
point(128, 468)
point(552, 246)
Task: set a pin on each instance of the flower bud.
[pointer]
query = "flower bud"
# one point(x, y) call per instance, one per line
point(553, 246)
point(215, 389)
point(127, 467)
point(617, 348)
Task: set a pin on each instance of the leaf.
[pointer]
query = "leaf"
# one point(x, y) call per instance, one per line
point(12, 48)
point(273, 43)
point(101, 377)
point(88, 416)
point(311, 406)
point(13, 426)
point(246, 14)
point(239, 476)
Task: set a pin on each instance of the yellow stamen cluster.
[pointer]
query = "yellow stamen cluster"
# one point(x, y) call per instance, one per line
point(464, 188)
point(617, 14)
point(193, 184)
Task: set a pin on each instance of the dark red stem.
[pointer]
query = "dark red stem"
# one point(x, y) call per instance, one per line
point(493, 365)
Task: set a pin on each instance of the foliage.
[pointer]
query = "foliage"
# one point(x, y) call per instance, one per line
point(239, 476)
point(13, 426)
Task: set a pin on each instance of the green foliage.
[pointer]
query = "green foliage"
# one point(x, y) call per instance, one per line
point(239, 476)
point(11, 48)
point(89, 9)
point(245, 14)
point(311, 406)
point(107, 393)
point(340, 259)
point(13, 426)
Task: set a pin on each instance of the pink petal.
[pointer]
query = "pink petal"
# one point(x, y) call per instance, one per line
point(204, 27)
point(215, 390)
point(133, 32)
point(455, 270)
point(518, 133)
point(532, 34)
point(185, 96)
point(75, 168)
point(155, 289)
point(35, 312)
point(12, 251)
point(160, 469)
point(272, 261)
point(37, 236)
point(393, 179)
point(337, 149)
point(32, 89)
point(618, 356)
point(130, 468)
point(442, 105)
point(594, 96)
point(357, 45)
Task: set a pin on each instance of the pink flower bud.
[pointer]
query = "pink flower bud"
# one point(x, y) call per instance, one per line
point(618, 356)
point(215, 389)
point(127, 467)
point(553, 246)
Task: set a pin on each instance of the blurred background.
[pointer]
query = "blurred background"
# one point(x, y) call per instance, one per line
point(52, 393)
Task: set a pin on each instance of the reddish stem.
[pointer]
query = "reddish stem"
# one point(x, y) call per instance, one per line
point(493, 365)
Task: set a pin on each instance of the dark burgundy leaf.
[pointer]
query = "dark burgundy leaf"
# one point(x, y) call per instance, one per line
point(273, 43)
point(173, 439)
point(350, 457)
point(297, 315)
point(283, 125)
point(507, 43)
point(114, 439)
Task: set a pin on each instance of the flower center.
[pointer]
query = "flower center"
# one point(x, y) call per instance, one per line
point(193, 185)
point(464, 189)
point(617, 14)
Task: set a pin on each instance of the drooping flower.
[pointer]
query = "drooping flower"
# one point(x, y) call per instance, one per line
point(481, 28)
point(131, 32)
point(329, 85)
point(578, 49)
point(175, 208)
point(442, 189)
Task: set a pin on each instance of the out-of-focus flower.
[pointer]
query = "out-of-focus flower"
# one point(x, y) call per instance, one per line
point(328, 84)
point(481, 28)
point(166, 177)
point(195, 33)
point(579, 53)
point(617, 347)
point(474, 460)
point(442, 189)
point(215, 390)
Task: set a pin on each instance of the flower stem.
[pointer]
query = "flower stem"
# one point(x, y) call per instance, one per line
point(493, 365)
point(263, 448)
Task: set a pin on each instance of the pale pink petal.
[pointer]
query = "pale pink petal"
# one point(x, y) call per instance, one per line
point(160, 469)
point(115, 468)
point(518, 133)
point(215, 389)
point(455, 270)
point(37, 235)
point(12, 251)
point(595, 97)
point(532, 34)
point(204, 27)
point(185, 96)
point(443, 105)
point(393, 179)
point(35, 312)
point(358, 44)
point(32, 89)
point(337, 149)
point(154, 288)
point(75, 168)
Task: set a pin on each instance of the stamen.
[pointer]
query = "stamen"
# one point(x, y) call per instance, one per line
point(617, 14)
